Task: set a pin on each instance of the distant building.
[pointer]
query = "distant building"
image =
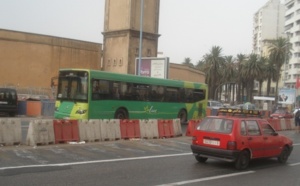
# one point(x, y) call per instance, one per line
point(268, 24)
point(292, 29)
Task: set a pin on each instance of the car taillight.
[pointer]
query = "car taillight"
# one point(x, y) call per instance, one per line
point(231, 145)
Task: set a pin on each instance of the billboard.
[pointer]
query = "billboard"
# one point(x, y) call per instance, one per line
point(152, 67)
point(286, 96)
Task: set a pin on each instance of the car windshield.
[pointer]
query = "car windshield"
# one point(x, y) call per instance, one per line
point(216, 125)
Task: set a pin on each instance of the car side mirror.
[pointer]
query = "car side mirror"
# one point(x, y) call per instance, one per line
point(275, 134)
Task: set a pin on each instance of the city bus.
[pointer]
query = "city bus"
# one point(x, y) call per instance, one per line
point(92, 94)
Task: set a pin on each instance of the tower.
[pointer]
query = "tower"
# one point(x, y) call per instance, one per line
point(121, 35)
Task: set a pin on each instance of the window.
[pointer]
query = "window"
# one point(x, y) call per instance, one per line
point(252, 128)
point(267, 129)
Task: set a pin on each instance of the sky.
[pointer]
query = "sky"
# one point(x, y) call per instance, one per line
point(188, 28)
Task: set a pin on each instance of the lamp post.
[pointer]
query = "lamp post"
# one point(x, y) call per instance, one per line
point(141, 36)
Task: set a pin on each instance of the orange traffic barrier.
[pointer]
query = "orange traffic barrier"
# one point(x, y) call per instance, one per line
point(66, 131)
point(130, 129)
point(165, 128)
point(191, 127)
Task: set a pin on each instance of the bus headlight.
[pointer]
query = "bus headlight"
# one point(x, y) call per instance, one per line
point(81, 111)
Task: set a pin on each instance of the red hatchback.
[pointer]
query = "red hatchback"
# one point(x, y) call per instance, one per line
point(239, 138)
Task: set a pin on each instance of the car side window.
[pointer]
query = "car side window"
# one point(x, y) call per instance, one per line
point(252, 128)
point(267, 129)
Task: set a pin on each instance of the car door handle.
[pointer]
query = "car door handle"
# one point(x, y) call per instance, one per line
point(249, 138)
point(265, 138)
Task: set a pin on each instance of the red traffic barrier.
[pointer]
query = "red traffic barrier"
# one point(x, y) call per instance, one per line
point(130, 129)
point(191, 127)
point(66, 131)
point(165, 128)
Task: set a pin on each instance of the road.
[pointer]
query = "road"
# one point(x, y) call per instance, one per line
point(137, 162)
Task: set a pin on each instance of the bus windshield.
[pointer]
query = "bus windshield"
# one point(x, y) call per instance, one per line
point(73, 86)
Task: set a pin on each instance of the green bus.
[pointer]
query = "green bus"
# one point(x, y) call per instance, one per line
point(92, 94)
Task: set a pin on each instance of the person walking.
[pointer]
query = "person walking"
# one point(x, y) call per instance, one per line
point(297, 119)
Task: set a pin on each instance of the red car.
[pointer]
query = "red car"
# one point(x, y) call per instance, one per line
point(280, 113)
point(239, 138)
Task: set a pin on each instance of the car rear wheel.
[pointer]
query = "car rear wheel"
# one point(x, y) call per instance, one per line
point(200, 159)
point(282, 158)
point(243, 160)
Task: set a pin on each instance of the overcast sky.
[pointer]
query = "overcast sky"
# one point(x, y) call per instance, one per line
point(188, 28)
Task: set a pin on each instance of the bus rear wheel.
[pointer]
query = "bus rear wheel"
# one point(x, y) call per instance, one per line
point(182, 115)
point(121, 114)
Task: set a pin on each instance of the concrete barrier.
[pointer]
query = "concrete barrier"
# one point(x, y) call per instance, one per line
point(40, 132)
point(110, 129)
point(10, 131)
point(149, 128)
point(89, 130)
point(177, 127)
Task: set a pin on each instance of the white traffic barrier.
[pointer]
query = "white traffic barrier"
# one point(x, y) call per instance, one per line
point(85, 131)
point(110, 129)
point(10, 131)
point(283, 124)
point(177, 127)
point(89, 130)
point(149, 128)
point(95, 127)
point(40, 132)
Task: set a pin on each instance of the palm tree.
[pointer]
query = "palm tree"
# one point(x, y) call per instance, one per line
point(213, 62)
point(262, 76)
point(188, 62)
point(228, 74)
point(272, 74)
point(251, 70)
point(279, 50)
point(239, 68)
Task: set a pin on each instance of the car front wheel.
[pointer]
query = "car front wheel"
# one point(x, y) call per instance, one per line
point(282, 158)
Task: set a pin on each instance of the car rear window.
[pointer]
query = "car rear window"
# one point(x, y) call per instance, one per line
point(7, 95)
point(216, 125)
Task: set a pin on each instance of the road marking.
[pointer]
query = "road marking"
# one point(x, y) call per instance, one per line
point(96, 161)
point(207, 178)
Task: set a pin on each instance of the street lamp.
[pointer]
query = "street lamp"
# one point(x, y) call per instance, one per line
point(141, 36)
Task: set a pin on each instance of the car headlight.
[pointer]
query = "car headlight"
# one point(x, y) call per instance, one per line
point(81, 111)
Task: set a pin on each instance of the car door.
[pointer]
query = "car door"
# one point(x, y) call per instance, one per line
point(255, 138)
point(272, 142)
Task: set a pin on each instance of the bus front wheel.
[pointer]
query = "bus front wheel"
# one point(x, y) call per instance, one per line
point(182, 115)
point(121, 114)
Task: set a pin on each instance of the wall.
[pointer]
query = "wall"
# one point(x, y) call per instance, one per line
point(32, 60)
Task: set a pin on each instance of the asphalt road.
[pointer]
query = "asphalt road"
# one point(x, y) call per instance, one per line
point(144, 162)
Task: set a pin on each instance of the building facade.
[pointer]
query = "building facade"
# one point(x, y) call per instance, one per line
point(32, 60)
point(292, 29)
point(268, 24)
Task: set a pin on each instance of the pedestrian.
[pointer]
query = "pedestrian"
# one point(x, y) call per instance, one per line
point(297, 119)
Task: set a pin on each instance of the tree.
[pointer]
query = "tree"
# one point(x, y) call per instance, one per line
point(239, 68)
point(279, 50)
point(213, 62)
point(188, 62)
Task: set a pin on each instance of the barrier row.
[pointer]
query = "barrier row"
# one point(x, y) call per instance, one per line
point(277, 124)
point(48, 131)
